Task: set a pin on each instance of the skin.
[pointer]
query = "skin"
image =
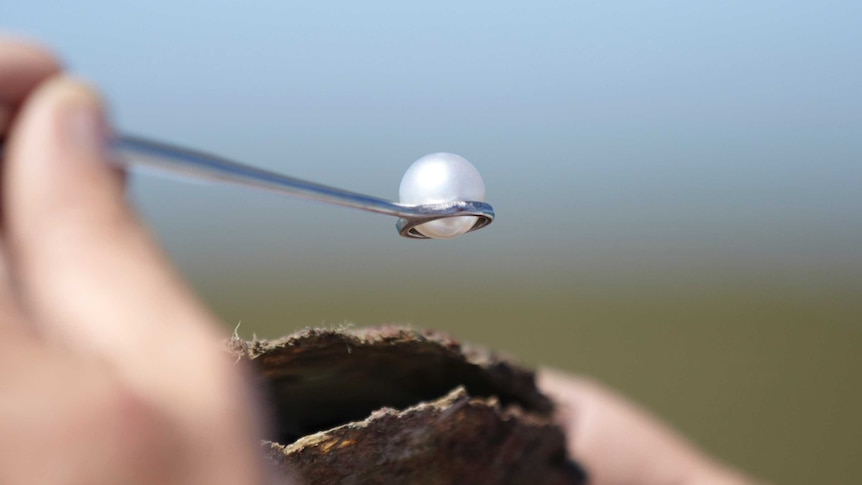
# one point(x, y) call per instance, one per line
point(87, 300)
point(620, 443)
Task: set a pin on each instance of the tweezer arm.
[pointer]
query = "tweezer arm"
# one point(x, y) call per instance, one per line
point(135, 151)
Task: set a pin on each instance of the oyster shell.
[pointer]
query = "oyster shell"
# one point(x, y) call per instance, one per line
point(399, 405)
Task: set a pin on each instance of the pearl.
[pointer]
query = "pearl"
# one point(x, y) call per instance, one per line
point(442, 177)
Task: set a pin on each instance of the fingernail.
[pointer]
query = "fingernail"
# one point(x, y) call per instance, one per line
point(86, 129)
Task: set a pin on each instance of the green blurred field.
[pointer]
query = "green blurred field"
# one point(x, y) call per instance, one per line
point(761, 370)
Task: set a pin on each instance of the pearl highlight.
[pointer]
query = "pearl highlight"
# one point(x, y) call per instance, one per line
point(442, 177)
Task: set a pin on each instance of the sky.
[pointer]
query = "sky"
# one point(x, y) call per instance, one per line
point(611, 135)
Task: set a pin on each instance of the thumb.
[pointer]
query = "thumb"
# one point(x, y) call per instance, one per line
point(57, 166)
point(87, 270)
point(62, 201)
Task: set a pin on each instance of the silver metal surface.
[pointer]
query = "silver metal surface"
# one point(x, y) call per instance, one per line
point(140, 152)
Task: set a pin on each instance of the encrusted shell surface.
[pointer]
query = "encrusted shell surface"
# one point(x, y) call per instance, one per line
point(398, 405)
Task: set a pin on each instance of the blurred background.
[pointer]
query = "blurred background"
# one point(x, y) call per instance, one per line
point(677, 187)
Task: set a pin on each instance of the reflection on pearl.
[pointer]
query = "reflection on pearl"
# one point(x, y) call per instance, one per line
point(442, 177)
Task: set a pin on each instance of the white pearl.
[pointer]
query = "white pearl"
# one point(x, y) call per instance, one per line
point(442, 177)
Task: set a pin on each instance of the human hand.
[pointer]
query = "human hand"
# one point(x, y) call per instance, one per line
point(620, 444)
point(110, 370)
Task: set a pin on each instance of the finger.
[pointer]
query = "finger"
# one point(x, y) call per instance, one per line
point(91, 276)
point(86, 266)
point(23, 66)
point(617, 442)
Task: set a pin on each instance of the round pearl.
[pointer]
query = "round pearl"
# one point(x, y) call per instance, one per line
point(442, 177)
